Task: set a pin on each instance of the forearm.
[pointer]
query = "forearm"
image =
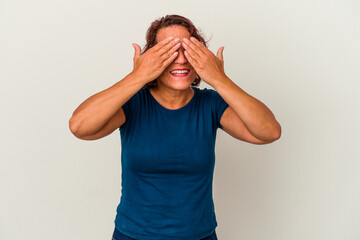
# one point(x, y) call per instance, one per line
point(258, 118)
point(91, 115)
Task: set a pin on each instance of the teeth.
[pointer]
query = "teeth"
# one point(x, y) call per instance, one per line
point(180, 71)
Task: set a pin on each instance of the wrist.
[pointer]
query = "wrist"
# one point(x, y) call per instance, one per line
point(220, 82)
point(138, 78)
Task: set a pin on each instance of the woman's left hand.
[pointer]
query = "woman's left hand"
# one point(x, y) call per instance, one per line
point(209, 67)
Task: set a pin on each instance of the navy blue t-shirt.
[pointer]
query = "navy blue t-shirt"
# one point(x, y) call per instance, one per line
point(168, 159)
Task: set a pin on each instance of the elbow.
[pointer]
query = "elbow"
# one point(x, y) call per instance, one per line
point(77, 129)
point(273, 134)
point(276, 132)
point(74, 127)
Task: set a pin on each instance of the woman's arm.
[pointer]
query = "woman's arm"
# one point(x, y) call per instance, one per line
point(93, 115)
point(252, 115)
point(248, 118)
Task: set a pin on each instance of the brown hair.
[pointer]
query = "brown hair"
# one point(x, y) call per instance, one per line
point(167, 21)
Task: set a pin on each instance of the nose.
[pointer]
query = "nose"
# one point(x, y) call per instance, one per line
point(181, 59)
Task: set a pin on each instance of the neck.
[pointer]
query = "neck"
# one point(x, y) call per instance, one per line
point(170, 98)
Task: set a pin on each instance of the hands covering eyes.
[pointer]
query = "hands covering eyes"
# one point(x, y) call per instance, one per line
point(153, 62)
point(209, 67)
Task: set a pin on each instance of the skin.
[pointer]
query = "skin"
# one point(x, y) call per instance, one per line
point(174, 92)
point(246, 118)
point(101, 114)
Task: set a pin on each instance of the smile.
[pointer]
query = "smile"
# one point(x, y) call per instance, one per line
point(180, 72)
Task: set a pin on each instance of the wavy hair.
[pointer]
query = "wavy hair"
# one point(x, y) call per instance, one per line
point(167, 21)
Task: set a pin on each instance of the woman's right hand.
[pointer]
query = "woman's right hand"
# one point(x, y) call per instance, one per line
point(149, 65)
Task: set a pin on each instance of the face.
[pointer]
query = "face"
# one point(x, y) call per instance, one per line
point(169, 78)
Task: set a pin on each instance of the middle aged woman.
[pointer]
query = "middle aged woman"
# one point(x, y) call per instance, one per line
point(168, 129)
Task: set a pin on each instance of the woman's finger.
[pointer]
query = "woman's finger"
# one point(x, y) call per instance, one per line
point(137, 51)
point(191, 60)
point(169, 53)
point(162, 43)
point(199, 45)
point(219, 54)
point(170, 59)
point(192, 52)
point(166, 48)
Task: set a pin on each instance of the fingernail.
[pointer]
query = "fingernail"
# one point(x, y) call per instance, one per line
point(176, 39)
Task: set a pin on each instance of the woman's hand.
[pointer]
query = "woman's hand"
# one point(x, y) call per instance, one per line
point(149, 65)
point(209, 67)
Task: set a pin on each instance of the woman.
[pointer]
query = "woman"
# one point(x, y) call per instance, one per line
point(168, 129)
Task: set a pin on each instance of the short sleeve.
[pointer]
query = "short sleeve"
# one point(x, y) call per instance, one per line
point(130, 106)
point(219, 106)
point(127, 107)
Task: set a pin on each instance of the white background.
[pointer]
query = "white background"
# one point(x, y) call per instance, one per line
point(301, 58)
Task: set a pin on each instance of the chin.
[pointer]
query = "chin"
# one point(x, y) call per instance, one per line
point(182, 84)
point(178, 83)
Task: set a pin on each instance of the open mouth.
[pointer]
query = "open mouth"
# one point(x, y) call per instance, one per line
point(180, 72)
